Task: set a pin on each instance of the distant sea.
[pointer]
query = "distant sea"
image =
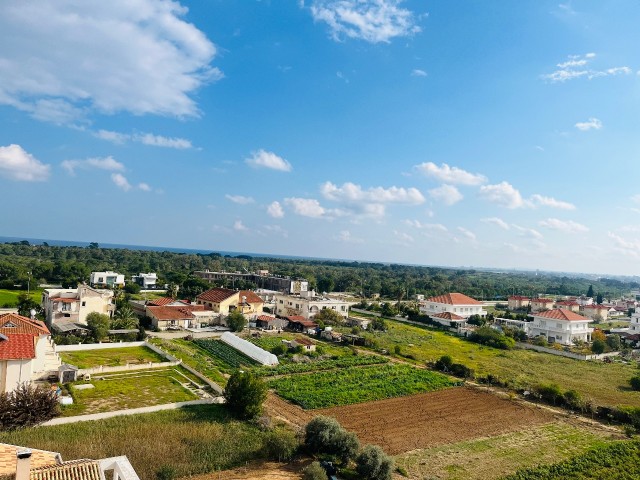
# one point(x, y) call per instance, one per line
point(72, 243)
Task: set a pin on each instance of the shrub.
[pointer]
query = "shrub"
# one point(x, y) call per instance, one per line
point(314, 472)
point(549, 392)
point(541, 341)
point(598, 346)
point(374, 464)
point(635, 383)
point(245, 394)
point(572, 399)
point(462, 371)
point(166, 472)
point(614, 343)
point(280, 444)
point(279, 349)
point(444, 363)
point(236, 321)
point(492, 338)
point(326, 435)
point(26, 406)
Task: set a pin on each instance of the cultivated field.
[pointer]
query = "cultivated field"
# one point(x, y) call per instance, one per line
point(134, 389)
point(602, 383)
point(195, 357)
point(357, 384)
point(111, 357)
point(491, 458)
point(10, 297)
point(225, 353)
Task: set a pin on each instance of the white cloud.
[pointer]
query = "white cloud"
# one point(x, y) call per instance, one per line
point(238, 226)
point(529, 233)
point(503, 194)
point(17, 164)
point(239, 199)
point(144, 138)
point(144, 187)
point(100, 163)
point(636, 198)
point(306, 207)
point(275, 210)
point(447, 194)
point(277, 229)
point(451, 175)
point(121, 181)
point(264, 159)
point(467, 233)
point(427, 226)
point(68, 58)
point(496, 221)
point(551, 202)
point(627, 247)
point(566, 226)
point(371, 20)
point(591, 124)
point(346, 237)
point(404, 238)
point(418, 73)
point(578, 66)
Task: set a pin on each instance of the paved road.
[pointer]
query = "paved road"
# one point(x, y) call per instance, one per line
point(130, 411)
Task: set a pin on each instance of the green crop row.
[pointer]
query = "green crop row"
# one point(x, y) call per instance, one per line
point(356, 385)
point(228, 354)
point(313, 366)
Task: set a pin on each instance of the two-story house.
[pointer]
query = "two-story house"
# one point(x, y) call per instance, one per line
point(106, 279)
point(456, 303)
point(73, 305)
point(224, 300)
point(308, 305)
point(561, 326)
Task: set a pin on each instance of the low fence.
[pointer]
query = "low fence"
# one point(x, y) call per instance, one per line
point(563, 353)
point(99, 346)
point(128, 367)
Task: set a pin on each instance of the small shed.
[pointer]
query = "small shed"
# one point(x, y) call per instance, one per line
point(67, 373)
point(298, 323)
point(306, 344)
point(267, 322)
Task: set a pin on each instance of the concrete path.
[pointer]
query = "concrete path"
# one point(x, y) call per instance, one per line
point(130, 411)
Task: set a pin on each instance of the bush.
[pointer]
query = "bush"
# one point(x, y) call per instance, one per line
point(280, 444)
point(236, 321)
point(374, 464)
point(572, 399)
point(549, 392)
point(326, 435)
point(492, 338)
point(26, 406)
point(132, 288)
point(245, 394)
point(444, 363)
point(314, 472)
point(279, 349)
point(462, 371)
point(635, 383)
point(166, 472)
point(614, 342)
point(598, 346)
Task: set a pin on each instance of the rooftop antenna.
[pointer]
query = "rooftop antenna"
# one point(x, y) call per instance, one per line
point(33, 313)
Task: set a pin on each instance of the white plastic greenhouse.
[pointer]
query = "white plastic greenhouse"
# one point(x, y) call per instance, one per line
point(249, 349)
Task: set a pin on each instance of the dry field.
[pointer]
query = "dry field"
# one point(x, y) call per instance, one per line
point(260, 471)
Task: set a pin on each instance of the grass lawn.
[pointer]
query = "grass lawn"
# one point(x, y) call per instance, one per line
point(10, 297)
point(195, 357)
point(148, 295)
point(494, 457)
point(604, 384)
point(192, 440)
point(134, 389)
point(111, 357)
point(357, 384)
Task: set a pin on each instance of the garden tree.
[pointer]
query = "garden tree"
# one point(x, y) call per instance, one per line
point(598, 346)
point(280, 444)
point(599, 299)
point(493, 338)
point(388, 310)
point(124, 319)
point(326, 435)
point(314, 472)
point(374, 464)
point(590, 291)
point(598, 335)
point(444, 363)
point(614, 342)
point(26, 406)
point(193, 286)
point(549, 392)
point(635, 383)
point(378, 323)
point(245, 394)
point(236, 321)
point(26, 304)
point(98, 324)
point(172, 290)
point(328, 317)
point(477, 320)
point(132, 288)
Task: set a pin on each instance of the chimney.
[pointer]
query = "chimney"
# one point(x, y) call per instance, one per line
point(23, 464)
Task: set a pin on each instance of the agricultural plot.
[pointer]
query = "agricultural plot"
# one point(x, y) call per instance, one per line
point(195, 357)
point(135, 389)
point(357, 384)
point(226, 353)
point(111, 357)
point(319, 365)
point(491, 458)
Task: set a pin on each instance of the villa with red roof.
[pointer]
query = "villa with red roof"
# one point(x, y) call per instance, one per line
point(539, 304)
point(595, 312)
point(561, 326)
point(455, 303)
point(518, 302)
point(26, 351)
point(224, 300)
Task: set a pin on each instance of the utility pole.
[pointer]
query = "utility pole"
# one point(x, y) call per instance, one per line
point(29, 284)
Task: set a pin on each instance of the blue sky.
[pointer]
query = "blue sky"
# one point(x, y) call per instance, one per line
point(497, 134)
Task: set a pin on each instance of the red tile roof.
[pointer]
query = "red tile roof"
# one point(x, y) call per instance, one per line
point(217, 295)
point(161, 302)
point(265, 318)
point(598, 307)
point(454, 299)
point(175, 313)
point(22, 325)
point(562, 314)
point(542, 300)
point(251, 296)
point(302, 321)
point(295, 318)
point(568, 303)
point(304, 341)
point(17, 346)
point(448, 316)
point(64, 300)
point(518, 297)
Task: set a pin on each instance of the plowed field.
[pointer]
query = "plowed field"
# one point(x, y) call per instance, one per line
point(446, 416)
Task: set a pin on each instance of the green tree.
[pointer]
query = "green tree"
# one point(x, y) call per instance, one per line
point(635, 383)
point(132, 288)
point(124, 319)
point(329, 317)
point(26, 304)
point(245, 393)
point(314, 472)
point(236, 321)
point(326, 435)
point(280, 444)
point(590, 291)
point(614, 342)
point(388, 310)
point(378, 323)
point(26, 406)
point(374, 464)
point(599, 299)
point(98, 324)
point(598, 346)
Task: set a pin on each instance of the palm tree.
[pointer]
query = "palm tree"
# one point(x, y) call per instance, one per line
point(124, 319)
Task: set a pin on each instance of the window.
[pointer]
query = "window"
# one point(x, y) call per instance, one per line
point(559, 325)
point(84, 304)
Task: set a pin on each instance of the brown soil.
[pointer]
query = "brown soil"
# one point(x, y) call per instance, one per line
point(425, 420)
point(259, 471)
point(282, 410)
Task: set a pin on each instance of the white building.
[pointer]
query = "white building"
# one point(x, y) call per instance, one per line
point(561, 326)
point(145, 280)
point(308, 305)
point(634, 324)
point(457, 303)
point(27, 352)
point(106, 279)
point(73, 305)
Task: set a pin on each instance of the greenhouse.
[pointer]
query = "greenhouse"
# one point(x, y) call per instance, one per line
point(249, 349)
